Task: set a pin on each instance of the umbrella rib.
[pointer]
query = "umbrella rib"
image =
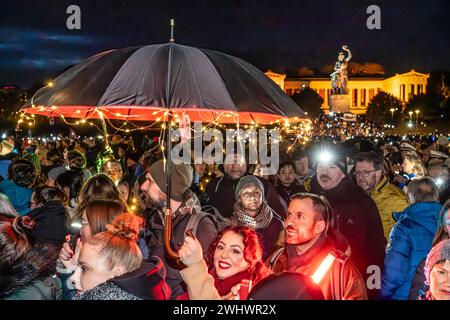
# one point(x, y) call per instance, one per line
point(195, 76)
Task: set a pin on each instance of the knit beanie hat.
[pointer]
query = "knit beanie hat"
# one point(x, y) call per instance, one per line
point(439, 252)
point(180, 181)
point(246, 181)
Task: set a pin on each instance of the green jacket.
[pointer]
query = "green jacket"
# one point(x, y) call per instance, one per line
point(47, 289)
point(388, 199)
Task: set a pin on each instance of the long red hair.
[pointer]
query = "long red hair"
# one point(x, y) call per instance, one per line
point(252, 252)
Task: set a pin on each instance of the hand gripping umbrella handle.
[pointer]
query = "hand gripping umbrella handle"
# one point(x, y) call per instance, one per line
point(173, 258)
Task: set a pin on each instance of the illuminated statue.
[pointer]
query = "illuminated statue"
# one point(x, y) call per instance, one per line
point(339, 77)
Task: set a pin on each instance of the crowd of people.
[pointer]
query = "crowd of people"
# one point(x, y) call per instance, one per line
point(364, 218)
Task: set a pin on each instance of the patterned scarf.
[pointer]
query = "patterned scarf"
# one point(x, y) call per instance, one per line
point(261, 221)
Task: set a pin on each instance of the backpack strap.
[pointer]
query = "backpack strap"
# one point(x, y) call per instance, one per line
point(274, 258)
point(220, 220)
point(194, 221)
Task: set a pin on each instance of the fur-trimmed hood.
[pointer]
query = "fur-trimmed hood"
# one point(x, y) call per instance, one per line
point(37, 264)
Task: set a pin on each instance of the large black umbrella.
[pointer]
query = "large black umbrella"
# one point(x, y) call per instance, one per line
point(135, 83)
point(139, 83)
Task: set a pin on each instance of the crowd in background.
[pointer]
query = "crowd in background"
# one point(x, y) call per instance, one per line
point(82, 221)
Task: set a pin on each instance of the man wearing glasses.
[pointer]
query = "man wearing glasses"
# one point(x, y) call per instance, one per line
point(388, 198)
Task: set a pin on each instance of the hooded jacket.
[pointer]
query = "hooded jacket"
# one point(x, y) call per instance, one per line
point(356, 217)
point(32, 277)
point(19, 196)
point(51, 223)
point(409, 244)
point(148, 282)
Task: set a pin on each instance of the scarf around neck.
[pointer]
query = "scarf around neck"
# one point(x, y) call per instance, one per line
point(224, 286)
point(261, 221)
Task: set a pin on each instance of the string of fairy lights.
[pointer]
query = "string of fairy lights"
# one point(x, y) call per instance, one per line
point(298, 131)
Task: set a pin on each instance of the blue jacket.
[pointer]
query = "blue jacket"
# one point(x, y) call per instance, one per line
point(410, 241)
point(19, 196)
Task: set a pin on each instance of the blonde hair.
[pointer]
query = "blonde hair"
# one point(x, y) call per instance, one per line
point(118, 244)
point(418, 166)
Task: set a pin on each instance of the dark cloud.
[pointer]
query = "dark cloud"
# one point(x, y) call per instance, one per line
point(282, 35)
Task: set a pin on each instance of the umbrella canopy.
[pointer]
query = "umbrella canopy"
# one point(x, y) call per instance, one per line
point(137, 83)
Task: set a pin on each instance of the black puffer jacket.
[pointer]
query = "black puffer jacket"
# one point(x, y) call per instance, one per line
point(145, 283)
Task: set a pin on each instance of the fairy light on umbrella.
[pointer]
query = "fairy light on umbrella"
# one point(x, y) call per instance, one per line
point(166, 82)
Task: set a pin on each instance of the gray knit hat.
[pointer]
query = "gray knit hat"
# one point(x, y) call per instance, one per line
point(246, 181)
point(439, 252)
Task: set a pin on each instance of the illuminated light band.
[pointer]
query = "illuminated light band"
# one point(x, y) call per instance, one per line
point(323, 268)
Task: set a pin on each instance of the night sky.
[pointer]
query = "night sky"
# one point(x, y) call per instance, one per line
point(35, 44)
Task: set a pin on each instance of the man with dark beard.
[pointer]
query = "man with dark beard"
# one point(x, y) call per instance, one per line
point(356, 214)
point(311, 248)
point(185, 206)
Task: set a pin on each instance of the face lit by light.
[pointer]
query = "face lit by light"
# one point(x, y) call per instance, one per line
point(329, 175)
point(440, 281)
point(154, 193)
point(229, 255)
point(301, 166)
point(286, 175)
point(408, 166)
point(366, 175)
point(251, 198)
point(235, 167)
point(92, 269)
point(300, 224)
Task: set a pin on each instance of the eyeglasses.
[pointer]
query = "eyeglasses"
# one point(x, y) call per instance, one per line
point(364, 174)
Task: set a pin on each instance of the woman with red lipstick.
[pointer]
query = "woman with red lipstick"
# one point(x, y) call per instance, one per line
point(235, 255)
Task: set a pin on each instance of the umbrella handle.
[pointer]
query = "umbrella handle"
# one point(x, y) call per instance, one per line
point(173, 258)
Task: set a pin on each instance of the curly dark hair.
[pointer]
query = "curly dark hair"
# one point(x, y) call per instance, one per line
point(252, 252)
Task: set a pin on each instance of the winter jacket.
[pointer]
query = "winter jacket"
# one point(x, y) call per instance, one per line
point(199, 283)
point(220, 194)
point(32, 277)
point(148, 282)
point(206, 232)
point(19, 196)
point(342, 281)
point(285, 193)
point(356, 217)
point(409, 244)
point(51, 223)
point(389, 199)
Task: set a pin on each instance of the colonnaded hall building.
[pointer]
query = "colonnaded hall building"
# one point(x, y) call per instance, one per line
point(362, 86)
